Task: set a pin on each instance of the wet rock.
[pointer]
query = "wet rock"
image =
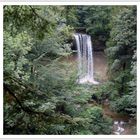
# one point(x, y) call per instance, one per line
point(116, 122)
point(118, 127)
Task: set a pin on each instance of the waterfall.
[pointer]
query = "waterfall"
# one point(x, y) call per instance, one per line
point(85, 59)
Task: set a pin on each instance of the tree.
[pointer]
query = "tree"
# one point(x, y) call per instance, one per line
point(120, 51)
point(24, 48)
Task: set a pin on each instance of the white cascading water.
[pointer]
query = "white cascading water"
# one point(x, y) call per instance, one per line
point(85, 59)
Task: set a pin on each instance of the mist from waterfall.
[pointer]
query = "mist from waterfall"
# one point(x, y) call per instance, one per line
point(85, 59)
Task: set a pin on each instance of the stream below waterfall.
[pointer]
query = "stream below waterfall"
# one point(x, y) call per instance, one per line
point(122, 124)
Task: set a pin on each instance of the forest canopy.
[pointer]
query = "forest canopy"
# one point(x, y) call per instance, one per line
point(41, 95)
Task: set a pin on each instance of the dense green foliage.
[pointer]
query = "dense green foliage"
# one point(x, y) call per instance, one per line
point(95, 20)
point(120, 51)
point(41, 95)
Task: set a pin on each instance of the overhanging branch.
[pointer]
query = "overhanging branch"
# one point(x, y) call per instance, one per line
point(24, 108)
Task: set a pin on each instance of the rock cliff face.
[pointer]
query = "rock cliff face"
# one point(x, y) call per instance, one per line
point(98, 45)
